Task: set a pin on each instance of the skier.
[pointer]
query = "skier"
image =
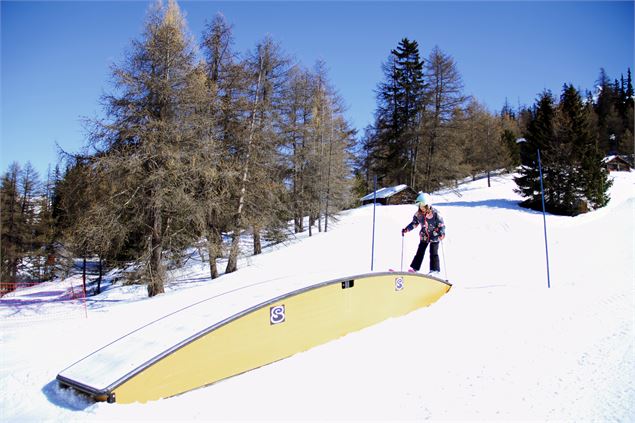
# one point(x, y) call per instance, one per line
point(432, 231)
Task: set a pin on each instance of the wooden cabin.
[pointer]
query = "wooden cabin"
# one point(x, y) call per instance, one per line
point(616, 164)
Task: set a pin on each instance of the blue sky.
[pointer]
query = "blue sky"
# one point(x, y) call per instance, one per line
point(56, 56)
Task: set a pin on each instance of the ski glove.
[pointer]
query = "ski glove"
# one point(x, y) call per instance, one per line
point(404, 231)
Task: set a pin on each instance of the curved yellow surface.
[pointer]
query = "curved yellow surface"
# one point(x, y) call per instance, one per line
point(279, 329)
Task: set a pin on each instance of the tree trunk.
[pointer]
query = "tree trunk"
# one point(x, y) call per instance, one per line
point(213, 251)
point(101, 272)
point(297, 217)
point(257, 241)
point(489, 159)
point(302, 203)
point(84, 276)
point(14, 269)
point(297, 223)
point(232, 261)
point(428, 174)
point(155, 285)
point(328, 181)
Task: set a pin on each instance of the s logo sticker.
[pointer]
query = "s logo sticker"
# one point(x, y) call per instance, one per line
point(277, 314)
point(399, 284)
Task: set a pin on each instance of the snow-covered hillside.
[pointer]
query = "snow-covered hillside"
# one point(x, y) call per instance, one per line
point(500, 345)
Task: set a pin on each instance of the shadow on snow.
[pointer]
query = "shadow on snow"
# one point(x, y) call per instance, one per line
point(66, 397)
point(499, 203)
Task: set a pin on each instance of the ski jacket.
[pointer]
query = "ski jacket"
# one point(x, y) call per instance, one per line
point(431, 228)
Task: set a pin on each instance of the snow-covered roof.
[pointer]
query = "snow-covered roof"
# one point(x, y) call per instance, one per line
point(385, 192)
point(613, 157)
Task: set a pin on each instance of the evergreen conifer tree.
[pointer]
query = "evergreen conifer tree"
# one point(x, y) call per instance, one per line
point(395, 145)
point(573, 176)
point(629, 88)
point(410, 78)
point(539, 136)
point(573, 137)
point(593, 179)
point(627, 141)
point(25, 222)
point(11, 224)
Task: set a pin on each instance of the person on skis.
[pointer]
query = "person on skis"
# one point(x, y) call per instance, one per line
point(432, 231)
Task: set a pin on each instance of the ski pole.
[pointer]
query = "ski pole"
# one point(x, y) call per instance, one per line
point(445, 265)
point(402, 252)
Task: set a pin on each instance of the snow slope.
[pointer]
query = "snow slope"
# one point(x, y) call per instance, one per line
point(500, 345)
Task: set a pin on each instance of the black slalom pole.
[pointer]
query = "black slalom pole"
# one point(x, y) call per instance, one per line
point(372, 254)
point(544, 219)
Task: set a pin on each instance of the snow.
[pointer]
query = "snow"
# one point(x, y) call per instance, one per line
point(499, 346)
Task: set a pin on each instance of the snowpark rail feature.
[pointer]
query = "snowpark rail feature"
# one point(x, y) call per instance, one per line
point(199, 345)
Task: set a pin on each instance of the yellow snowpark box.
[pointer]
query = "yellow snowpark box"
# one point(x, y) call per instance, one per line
point(137, 368)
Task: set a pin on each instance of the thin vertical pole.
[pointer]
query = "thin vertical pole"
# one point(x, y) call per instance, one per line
point(402, 252)
point(544, 218)
point(372, 254)
point(445, 265)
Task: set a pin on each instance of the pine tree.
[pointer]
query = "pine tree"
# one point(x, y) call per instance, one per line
point(629, 88)
point(72, 201)
point(26, 225)
point(29, 187)
point(507, 110)
point(607, 108)
point(267, 68)
point(317, 140)
point(11, 224)
point(439, 160)
point(297, 113)
point(410, 72)
point(221, 117)
point(573, 176)
point(333, 138)
point(510, 133)
point(395, 147)
point(317, 137)
point(147, 147)
point(483, 145)
point(340, 157)
point(539, 136)
point(573, 135)
point(626, 142)
point(594, 180)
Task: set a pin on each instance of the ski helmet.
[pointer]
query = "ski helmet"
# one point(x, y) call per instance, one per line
point(423, 199)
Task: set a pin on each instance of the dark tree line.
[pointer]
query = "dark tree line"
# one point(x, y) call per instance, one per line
point(613, 106)
point(27, 225)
